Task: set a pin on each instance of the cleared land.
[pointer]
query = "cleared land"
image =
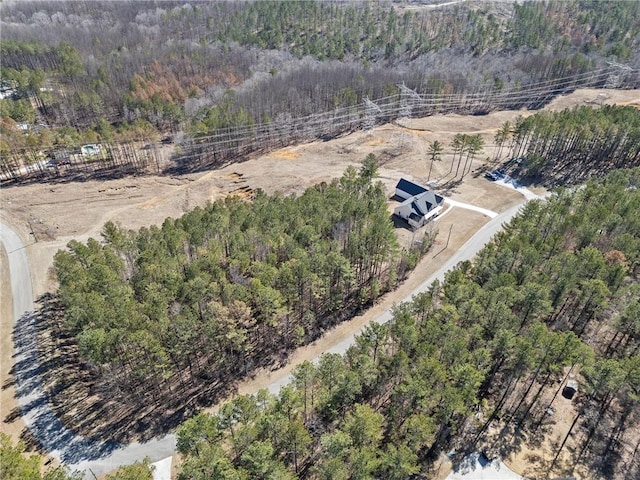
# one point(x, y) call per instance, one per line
point(49, 215)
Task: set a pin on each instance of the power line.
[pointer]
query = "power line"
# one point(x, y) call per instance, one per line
point(244, 139)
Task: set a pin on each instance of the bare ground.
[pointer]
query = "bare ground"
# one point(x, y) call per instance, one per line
point(531, 452)
point(48, 216)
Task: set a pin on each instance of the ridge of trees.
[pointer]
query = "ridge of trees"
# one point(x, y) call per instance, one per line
point(172, 315)
point(236, 136)
point(555, 294)
point(171, 67)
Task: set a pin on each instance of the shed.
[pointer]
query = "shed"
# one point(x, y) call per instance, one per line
point(90, 149)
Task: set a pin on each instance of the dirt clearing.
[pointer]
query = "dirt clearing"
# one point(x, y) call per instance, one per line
point(49, 215)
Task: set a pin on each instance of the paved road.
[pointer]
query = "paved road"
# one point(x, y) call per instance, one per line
point(76, 452)
point(99, 458)
point(466, 252)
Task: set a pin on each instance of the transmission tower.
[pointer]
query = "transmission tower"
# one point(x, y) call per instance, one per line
point(407, 97)
point(615, 78)
point(371, 110)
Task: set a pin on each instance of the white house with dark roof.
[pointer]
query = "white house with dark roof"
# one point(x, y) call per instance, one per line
point(406, 189)
point(419, 206)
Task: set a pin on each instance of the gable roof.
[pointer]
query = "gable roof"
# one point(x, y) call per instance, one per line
point(423, 203)
point(410, 188)
point(427, 201)
point(416, 206)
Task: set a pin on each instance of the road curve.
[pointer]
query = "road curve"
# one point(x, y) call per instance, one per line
point(76, 452)
point(98, 458)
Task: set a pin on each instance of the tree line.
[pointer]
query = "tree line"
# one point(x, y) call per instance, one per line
point(111, 161)
point(572, 145)
point(16, 464)
point(555, 294)
point(168, 64)
point(175, 312)
point(226, 134)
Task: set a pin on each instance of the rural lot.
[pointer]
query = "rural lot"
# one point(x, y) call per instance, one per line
point(49, 215)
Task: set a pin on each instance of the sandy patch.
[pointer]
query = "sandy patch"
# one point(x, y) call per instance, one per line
point(286, 153)
point(594, 97)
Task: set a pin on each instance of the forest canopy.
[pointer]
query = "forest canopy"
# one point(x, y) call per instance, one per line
point(572, 145)
point(207, 298)
point(175, 314)
point(555, 294)
point(15, 464)
point(173, 65)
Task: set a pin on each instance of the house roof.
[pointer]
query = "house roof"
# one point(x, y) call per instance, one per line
point(411, 188)
point(416, 207)
point(427, 201)
point(423, 203)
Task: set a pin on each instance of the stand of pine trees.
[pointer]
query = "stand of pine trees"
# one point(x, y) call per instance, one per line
point(556, 292)
point(176, 312)
point(573, 145)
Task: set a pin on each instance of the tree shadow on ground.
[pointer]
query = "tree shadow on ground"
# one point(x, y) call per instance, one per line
point(451, 186)
point(85, 411)
point(70, 409)
point(45, 429)
point(74, 175)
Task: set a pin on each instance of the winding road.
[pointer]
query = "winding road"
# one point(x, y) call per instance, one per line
point(95, 458)
point(75, 451)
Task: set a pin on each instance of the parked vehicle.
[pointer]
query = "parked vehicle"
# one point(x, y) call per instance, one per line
point(58, 163)
point(495, 174)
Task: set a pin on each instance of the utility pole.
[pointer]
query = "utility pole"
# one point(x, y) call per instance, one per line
point(449, 237)
point(447, 245)
point(33, 232)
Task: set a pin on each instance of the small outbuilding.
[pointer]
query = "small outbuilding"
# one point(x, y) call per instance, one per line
point(90, 149)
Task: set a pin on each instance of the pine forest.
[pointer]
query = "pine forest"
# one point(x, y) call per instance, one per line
point(147, 320)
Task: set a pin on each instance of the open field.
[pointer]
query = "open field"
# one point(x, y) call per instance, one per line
point(48, 216)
